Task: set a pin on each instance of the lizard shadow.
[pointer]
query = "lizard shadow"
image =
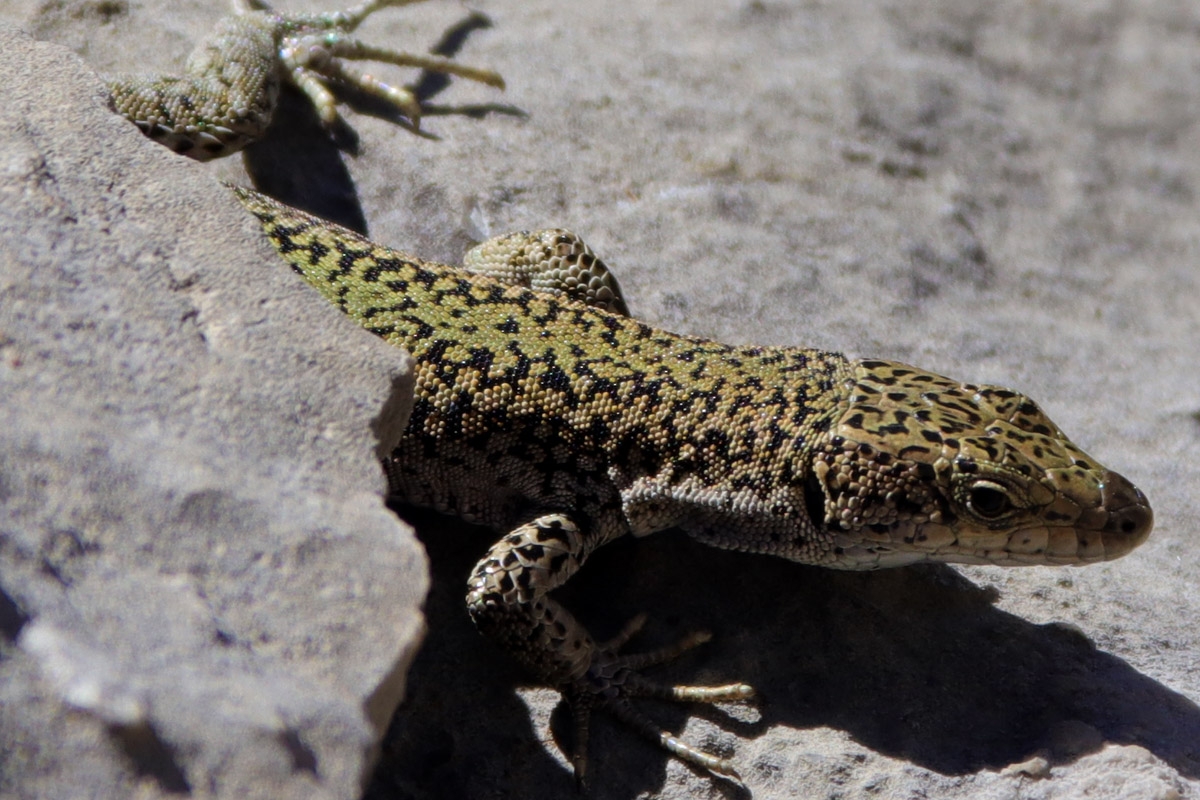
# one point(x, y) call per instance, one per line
point(302, 163)
point(916, 664)
point(461, 731)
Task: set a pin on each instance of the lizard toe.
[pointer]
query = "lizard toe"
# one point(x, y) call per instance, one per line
point(612, 680)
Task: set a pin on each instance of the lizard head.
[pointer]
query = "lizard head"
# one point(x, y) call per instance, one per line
point(920, 467)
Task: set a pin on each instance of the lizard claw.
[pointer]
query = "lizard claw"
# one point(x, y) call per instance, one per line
point(612, 680)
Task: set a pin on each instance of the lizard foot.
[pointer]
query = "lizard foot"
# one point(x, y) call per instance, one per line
point(508, 597)
point(612, 680)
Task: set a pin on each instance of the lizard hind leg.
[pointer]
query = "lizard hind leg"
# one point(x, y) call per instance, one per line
point(322, 55)
point(309, 67)
point(508, 598)
point(226, 97)
point(315, 47)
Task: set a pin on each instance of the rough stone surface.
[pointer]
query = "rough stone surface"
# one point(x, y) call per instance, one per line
point(201, 591)
point(1001, 191)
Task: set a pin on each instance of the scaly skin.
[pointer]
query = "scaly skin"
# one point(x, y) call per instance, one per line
point(226, 97)
point(541, 413)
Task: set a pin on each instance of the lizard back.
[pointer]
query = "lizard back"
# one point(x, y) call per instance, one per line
point(526, 401)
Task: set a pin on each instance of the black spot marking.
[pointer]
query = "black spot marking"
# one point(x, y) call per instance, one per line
point(814, 500)
point(533, 552)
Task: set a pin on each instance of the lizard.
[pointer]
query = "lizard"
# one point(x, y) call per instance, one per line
point(544, 410)
point(551, 415)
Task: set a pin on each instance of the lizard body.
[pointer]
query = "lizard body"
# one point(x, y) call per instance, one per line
point(543, 410)
point(569, 425)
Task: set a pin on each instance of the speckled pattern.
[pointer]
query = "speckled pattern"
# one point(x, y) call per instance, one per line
point(227, 95)
point(570, 426)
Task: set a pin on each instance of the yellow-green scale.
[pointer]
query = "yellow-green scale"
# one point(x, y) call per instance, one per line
point(498, 358)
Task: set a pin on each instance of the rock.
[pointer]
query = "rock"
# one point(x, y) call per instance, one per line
point(201, 591)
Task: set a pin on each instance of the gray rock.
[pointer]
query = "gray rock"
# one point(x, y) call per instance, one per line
point(201, 591)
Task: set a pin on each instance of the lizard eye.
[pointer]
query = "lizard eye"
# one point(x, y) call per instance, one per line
point(988, 500)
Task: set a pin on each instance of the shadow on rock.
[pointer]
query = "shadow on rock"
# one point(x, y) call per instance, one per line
point(913, 663)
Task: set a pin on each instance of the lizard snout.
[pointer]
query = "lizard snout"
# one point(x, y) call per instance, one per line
point(1129, 516)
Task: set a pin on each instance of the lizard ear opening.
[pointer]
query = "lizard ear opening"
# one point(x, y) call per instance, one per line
point(814, 500)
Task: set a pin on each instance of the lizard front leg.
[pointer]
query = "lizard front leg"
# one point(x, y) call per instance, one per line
point(553, 261)
point(508, 599)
